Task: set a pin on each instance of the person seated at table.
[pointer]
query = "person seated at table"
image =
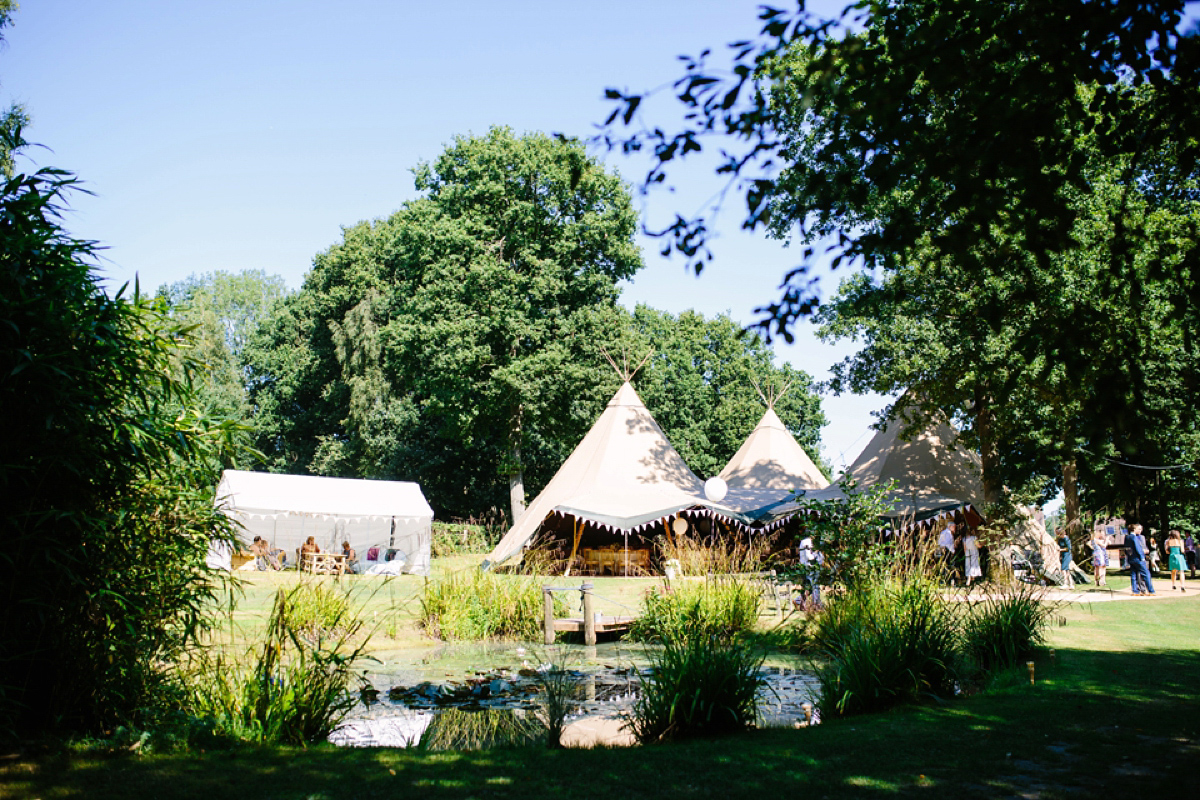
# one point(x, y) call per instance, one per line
point(309, 546)
point(263, 555)
point(351, 558)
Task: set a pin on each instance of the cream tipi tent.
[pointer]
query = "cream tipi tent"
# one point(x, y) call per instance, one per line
point(623, 475)
point(767, 470)
point(932, 471)
point(771, 458)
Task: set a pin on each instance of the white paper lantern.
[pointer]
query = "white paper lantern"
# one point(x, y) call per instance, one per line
point(715, 489)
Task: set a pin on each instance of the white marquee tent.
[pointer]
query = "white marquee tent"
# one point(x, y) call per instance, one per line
point(287, 509)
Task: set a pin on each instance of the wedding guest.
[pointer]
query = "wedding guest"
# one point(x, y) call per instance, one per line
point(971, 553)
point(264, 557)
point(809, 559)
point(1152, 556)
point(1064, 552)
point(1135, 555)
point(947, 542)
point(1099, 544)
point(1175, 561)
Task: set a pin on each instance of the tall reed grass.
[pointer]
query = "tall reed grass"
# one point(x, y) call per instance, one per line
point(473, 605)
point(720, 609)
point(724, 555)
point(1006, 626)
point(884, 644)
point(295, 687)
point(471, 536)
point(700, 685)
point(558, 694)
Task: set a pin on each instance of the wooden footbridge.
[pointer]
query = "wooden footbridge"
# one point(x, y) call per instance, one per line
point(591, 623)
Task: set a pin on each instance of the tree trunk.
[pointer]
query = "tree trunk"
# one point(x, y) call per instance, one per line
point(1070, 473)
point(993, 486)
point(516, 489)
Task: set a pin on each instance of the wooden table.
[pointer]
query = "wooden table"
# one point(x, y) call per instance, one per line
point(612, 560)
point(324, 563)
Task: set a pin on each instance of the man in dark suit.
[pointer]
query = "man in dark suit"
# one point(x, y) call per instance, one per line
point(1135, 554)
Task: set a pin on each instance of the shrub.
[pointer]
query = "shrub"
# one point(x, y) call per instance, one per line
point(884, 644)
point(699, 685)
point(712, 609)
point(297, 688)
point(475, 605)
point(1006, 627)
point(105, 450)
point(320, 610)
point(457, 538)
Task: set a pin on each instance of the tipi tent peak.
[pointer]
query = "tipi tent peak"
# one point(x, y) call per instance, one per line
point(771, 458)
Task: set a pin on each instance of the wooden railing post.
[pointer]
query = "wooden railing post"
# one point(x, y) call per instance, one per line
point(589, 618)
point(548, 615)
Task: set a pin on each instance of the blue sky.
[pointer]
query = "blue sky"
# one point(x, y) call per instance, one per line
point(243, 135)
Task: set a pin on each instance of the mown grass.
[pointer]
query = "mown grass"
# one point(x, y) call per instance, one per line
point(391, 607)
point(1115, 714)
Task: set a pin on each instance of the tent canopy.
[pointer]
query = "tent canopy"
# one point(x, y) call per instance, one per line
point(287, 509)
point(624, 473)
point(931, 469)
point(933, 473)
point(767, 470)
point(771, 458)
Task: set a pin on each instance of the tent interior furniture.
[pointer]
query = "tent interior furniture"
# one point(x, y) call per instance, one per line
point(615, 560)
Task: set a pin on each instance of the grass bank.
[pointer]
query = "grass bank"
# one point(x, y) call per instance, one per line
point(1115, 714)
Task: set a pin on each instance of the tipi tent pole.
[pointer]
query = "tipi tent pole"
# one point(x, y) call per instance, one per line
point(574, 547)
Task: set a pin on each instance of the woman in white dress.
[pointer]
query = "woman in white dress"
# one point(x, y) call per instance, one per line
point(1099, 545)
point(971, 552)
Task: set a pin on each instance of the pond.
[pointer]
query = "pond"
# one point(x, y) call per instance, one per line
point(410, 689)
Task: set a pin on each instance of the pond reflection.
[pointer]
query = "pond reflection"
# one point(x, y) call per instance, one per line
point(408, 691)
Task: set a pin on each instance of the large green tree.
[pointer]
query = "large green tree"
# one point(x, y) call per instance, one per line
point(1046, 360)
point(223, 309)
point(965, 113)
point(962, 150)
point(444, 340)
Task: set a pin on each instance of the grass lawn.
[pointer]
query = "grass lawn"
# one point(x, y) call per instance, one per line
point(392, 605)
point(1115, 713)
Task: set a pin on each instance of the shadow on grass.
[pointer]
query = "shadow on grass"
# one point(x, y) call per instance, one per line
point(1094, 722)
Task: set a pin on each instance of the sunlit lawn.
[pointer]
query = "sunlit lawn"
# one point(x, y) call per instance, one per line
point(1115, 713)
point(392, 605)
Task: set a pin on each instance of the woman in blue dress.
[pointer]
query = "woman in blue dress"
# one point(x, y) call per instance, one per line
point(1175, 560)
